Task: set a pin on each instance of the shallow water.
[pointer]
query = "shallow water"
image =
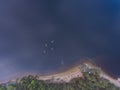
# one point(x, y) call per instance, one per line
point(43, 36)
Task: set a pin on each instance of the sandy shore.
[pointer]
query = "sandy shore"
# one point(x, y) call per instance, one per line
point(75, 72)
point(65, 76)
point(68, 75)
point(113, 81)
point(105, 75)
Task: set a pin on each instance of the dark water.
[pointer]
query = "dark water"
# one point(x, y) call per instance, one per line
point(43, 36)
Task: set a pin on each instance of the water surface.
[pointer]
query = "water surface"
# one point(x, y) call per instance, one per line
point(43, 36)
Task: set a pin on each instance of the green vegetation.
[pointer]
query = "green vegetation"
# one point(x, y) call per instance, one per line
point(91, 81)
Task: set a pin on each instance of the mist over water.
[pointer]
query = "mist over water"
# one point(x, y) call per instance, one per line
point(43, 36)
